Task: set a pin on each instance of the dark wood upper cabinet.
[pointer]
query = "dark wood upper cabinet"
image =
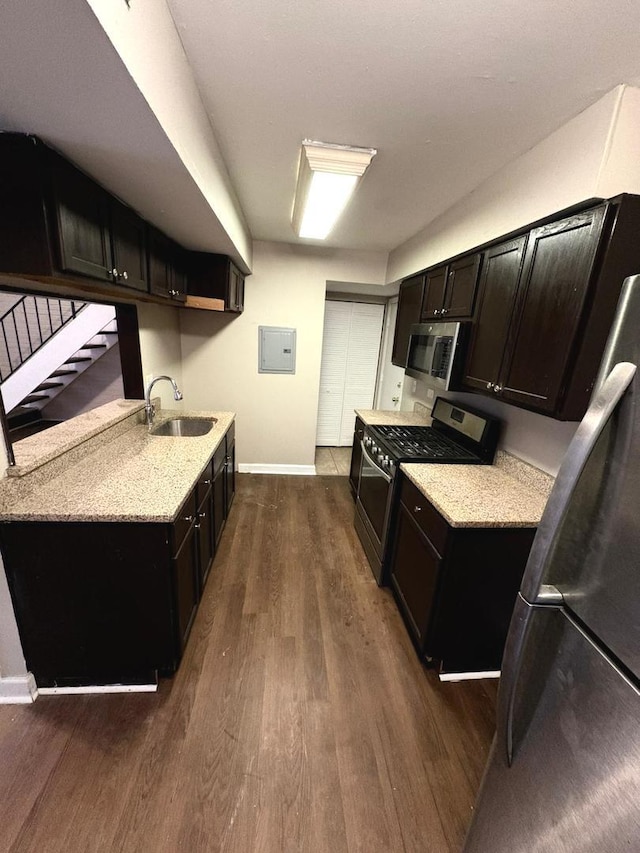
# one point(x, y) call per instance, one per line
point(129, 241)
point(167, 275)
point(496, 301)
point(82, 214)
point(434, 293)
point(214, 276)
point(409, 307)
point(530, 314)
point(462, 281)
point(555, 283)
point(450, 290)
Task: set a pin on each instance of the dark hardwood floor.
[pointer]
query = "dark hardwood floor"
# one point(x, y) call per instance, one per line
point(300, 718)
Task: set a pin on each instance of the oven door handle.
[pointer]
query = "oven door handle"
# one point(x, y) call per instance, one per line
point(372, 462)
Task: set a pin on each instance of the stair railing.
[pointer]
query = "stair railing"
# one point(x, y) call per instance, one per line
point(28, 325)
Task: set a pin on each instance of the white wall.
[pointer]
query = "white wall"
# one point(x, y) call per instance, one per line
point(620, 168)
point(560, 171)
point(160, 350)
point(597, 154)
point(276, 423)
point(148, 43)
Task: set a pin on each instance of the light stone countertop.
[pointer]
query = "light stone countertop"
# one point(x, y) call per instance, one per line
point(505, 494)
point(382, 417)
point(128, 475)
point(36, 450)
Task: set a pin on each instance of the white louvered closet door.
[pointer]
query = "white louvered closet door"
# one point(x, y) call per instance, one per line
point(350, 352)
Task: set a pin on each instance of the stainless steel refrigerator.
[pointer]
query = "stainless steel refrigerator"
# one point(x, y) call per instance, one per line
point(564, 769)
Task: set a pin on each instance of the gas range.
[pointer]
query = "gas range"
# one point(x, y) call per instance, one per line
point(404, 443)
point(457, 435)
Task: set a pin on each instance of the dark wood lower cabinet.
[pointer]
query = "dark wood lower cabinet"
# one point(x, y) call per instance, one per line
point(455, 587)
point(230, 468)
point(187, 569)
point(219, 492)
point(112, 602)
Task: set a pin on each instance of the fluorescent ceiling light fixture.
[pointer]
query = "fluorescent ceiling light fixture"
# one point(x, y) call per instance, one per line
point(327, 176)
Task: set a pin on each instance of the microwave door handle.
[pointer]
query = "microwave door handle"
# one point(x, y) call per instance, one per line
point(372, 462)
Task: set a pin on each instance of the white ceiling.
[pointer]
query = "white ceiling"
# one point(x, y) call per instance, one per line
point(448, 91)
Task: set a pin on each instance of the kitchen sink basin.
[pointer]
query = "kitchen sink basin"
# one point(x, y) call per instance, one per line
point(184, 427)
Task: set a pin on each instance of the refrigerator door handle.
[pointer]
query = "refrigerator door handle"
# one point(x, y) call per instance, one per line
point(509, 675)
point(600, 410)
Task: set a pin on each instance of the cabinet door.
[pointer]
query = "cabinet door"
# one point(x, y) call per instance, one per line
point(409, 307)
point(129, 247)
point(462, 280)
point(206, 541)
point(415, 568)
point(177, 272)
point(219, 491)
point(185, 570)
point(159, 267)
point(434, 293)
point(497, 297)
point(230, 473)
point(82, 210)
point(555, 282)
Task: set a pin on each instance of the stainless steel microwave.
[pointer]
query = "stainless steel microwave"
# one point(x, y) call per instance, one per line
point(435, 353)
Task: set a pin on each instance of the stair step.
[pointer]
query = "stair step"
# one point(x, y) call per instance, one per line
point(45, 386)
point(108, 332)
point(62, 372)
point(35, 398)
point(22, 415)
point(76, 359)
point(94, 346)
point(26, 430)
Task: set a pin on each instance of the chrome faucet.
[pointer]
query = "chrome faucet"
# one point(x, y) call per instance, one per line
point(149, 408)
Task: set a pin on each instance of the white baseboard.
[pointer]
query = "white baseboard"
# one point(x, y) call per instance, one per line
point(98, 688)
point(468, 676)
point(258, 468)
point(18, 690)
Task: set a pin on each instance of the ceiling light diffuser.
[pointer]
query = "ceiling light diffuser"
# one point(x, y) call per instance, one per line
point(327, 176)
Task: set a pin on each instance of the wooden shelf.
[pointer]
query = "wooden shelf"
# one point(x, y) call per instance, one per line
point(205, 303)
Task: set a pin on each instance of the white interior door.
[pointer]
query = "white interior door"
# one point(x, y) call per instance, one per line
point(350, 351)
point(391, 377)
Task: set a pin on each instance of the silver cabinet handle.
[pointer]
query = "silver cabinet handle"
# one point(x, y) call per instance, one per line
point(489, 386)
point(189, 518)
point(208, 482)
point(436, 311)
point(497, 388)
point(113, 272)
point(125, 275)
point(445, 311)
point(417, 509)
point(202, 515)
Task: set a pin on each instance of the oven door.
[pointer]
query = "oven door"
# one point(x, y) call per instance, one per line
point(373, 506)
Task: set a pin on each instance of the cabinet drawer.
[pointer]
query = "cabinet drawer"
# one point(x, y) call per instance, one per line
point(184, 521)
point(426, 516)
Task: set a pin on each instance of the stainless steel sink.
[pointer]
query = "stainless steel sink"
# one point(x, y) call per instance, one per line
point(184, 427)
